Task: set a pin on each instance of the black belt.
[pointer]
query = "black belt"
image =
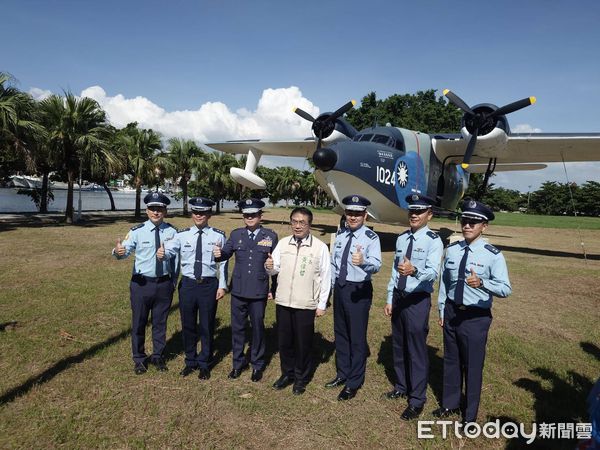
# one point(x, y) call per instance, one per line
point(472, 308)
point(418, 294)
point(139, 277)
point(201, 280)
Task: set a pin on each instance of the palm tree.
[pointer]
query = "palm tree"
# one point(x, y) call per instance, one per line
point(286, 182)
point(181, 158)
point(142, 147)
point(75, 126)
point(214, 168)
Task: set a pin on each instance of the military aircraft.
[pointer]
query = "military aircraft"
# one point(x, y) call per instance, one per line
point(385, 163)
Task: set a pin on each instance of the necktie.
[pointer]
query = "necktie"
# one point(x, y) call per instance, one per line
point(460, 284)
point(159, 264)
point(403, 278)
point(252, 236)
point(198, 263)
point(344, 263)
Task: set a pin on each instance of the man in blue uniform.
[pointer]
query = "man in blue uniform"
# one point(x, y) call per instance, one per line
point(356, 257)
point(152, 281)
point(473, 271)
point(416, 267)
point(250, 286)
point(199, 289)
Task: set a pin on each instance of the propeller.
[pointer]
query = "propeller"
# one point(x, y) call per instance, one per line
point(322, 127)
point(482, 120)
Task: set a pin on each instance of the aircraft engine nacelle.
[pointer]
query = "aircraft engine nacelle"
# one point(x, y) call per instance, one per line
point(493, 134)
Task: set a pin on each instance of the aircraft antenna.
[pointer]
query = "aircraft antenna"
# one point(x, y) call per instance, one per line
point(574, 210)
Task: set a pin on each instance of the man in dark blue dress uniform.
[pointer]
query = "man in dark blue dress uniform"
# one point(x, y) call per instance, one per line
point(252, 245)
point(472, 273)
point(152, 281)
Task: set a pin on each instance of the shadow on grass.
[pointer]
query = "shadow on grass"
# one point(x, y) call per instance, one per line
point(61, 366)
point(543, 252)
point(557, 399)
point(436, 366)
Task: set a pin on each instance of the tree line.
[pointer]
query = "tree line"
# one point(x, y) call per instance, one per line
point(71, 138)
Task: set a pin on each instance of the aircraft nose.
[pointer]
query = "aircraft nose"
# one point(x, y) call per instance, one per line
point(325, 158)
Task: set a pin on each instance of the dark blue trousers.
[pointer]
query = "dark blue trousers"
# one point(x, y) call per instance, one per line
point(410, 326)
point(465, 338)
point(198, 308)
point(147, 296)
point(295, 331)
point(351, 305)
point(241, 308)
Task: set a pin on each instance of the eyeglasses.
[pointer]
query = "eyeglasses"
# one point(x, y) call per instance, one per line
point(417, 212)
point(471, 222)
point(200, 213)
point(157, 208)
point(301, 223)
point(251, 216)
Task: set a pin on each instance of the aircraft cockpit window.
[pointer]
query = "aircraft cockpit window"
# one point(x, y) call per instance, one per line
point(380, 139)
point(366, 137)
point(357, 137)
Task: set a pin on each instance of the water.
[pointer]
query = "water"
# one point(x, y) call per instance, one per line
point(11, 202)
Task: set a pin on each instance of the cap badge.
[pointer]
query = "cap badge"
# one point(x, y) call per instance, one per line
point(248, 202)
point(155, 195)
point(472, 204)
point(415, 197)
point(355, 199)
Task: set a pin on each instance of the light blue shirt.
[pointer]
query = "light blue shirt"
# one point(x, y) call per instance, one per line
point(488, 264)
point(426, 256)
point(370, 247)
point(184, 244)
point(141, 241)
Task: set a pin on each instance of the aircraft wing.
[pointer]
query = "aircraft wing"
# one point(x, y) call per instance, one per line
point(522, 148)
point(481, 168)
point(300, 147)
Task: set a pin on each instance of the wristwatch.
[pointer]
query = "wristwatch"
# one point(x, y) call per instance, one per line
point(415, 272)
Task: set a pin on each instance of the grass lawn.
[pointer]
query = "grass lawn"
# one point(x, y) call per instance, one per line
point(65, 351)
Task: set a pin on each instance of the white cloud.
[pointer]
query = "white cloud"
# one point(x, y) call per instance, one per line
point(213, 121)
point(525, 128)
point(39, 94)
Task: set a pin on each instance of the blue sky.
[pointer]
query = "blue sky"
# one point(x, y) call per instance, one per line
point(227, 69)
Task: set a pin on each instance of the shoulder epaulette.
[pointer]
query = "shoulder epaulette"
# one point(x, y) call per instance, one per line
point(137, 227)
point(491, 248)
point(454, 243)
point(183, 229)
point(371, 234)
point(169, 225)
point(432, 235)
point(340, 231)
point(219, 231)
point(402, 234)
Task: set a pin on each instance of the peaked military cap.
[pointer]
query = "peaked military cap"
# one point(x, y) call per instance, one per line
point(472, 209)
point(251, 205)
point(355, 202)
point(201, 204)
point(419, 201)
point(156, 199)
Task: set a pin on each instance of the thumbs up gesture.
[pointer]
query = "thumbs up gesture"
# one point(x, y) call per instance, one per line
point(160, 253)
point(217, 250)
point(472, 280)
point(405, 267)
point(119, 249)
point(358, 257)
point(269, 262)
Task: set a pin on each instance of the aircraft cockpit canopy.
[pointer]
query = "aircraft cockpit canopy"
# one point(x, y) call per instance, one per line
point(387, 139)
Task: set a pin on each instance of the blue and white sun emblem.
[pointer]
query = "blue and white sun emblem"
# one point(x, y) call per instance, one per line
point(402, 174)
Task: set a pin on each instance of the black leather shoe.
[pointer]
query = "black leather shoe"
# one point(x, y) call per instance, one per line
point(235, 373)
point(298, 389)
point(283, 382)
point(203, 374)
point(411, 412)
point(187, 370)
point(393, 395)
point(347, 394)
point(140, 368)
point(256, 375)
point(160, 364)
point(442, 412)
point(337, 381)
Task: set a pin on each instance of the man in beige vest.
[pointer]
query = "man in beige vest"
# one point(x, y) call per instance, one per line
point(303, 264)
